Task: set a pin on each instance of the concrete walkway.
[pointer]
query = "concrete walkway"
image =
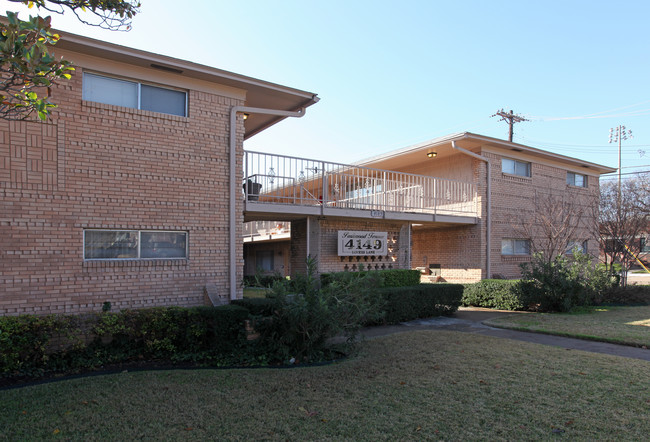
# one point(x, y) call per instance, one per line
point(470, 320)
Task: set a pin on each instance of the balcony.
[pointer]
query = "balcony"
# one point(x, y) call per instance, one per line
point(290, 186)
point(266, 231)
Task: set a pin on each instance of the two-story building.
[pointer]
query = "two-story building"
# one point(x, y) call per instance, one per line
point(461, 208)
point(132, 193)
point(136, 192)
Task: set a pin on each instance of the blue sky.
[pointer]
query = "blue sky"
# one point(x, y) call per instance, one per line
point(390, 74)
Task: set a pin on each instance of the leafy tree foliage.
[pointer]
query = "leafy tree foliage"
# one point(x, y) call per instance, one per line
point(562, 283)
point(28, 68)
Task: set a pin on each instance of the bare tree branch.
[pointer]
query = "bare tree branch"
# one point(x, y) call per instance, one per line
point(555, 221)
point(620, 226)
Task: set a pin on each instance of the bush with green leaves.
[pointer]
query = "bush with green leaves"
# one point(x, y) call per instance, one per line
point(628, 295)
point(387, 277)
point(420, 301)
point(34, 345)
point(262, 279)
point(562, 283)
point(493, 293)
point(306, 315)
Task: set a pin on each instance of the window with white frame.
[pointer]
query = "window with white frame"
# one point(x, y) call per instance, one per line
point(134, 244)
point(515, 167)
point(576, 179)
point(512, 246)
point(580, 245)
point(119, 92)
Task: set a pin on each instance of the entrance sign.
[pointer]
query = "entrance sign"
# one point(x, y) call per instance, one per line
point(353, 243)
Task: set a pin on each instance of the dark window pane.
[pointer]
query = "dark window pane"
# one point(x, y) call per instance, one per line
point(264, 260)
point(158, 99)
point(163, 245)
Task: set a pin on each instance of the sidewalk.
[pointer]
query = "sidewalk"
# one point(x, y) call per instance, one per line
point(470, 320)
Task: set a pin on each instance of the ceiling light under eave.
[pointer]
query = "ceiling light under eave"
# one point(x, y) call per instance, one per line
point(432, 154)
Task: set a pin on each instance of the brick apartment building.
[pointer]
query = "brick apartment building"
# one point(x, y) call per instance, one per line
point(483, 222)
point(131, 194)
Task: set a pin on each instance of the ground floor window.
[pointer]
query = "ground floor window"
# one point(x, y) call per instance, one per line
point(264, 260)
point(134, 244)
point(580, 245)
point(644, 245)
point(511, 246)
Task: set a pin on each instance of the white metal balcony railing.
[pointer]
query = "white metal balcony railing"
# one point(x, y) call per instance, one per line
point(266, 229)
point(278, 179)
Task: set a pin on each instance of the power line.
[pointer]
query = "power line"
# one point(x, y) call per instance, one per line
point(511, 118)
point(600, 114)
point(626, 173)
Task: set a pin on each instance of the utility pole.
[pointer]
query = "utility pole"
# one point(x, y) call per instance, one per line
point(616, 135)
point(511, 118)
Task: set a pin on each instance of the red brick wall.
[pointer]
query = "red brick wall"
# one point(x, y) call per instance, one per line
point(324, 245)
point(109, 167)
point(513, 203)
point(456, 249)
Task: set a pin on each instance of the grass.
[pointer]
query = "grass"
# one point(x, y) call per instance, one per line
point(254, 292)
point(620, 325)
point(416, 385)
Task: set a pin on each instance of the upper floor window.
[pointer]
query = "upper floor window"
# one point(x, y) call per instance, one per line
point(515, 167)
point(576, 179)
point(109, 90)
point(515, 247)
point(134, 244)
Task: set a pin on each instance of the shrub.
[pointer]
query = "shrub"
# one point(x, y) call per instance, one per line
point(33, 345)
point(492, 293)
point(27, 341)
point(305, 316)
point(387, 278)
point(628, 295)
point(256, 306)
point(420, 301)
point(259, 279)
point(561, 283)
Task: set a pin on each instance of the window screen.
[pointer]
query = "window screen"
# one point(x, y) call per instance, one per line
point(135, 95)
point(110, 91)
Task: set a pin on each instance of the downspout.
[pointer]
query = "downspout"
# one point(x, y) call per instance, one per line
point(232, 217)
point(488, 200)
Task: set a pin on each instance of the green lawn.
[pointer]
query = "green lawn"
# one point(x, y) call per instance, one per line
point(254, 292)
point(408, 386)
point(622, 325)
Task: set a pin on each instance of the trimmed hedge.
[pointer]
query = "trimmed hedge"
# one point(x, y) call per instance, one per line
point(493, 293)
point(34, 345)
point(256, 306)
point(420, 301)
point(388, 277)
point(628, 295)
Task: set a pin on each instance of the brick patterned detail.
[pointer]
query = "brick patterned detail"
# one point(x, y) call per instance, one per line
point(109, 167)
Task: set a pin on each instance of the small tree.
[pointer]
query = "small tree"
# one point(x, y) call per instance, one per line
point(28, 68)
point(555, 221)
point(622, 219)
